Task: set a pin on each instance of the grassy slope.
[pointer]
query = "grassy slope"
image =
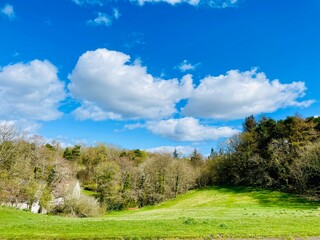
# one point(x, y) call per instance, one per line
point(218, 212)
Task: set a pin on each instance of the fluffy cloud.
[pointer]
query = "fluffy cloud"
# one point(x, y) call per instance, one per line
point(188, 129)
point(90, 111)
point(211, 3)
point(186, 66)
point(8, 11)
point(111, 86)
point(30, 91)
point(239, 94)
point(22, 126)
point(101, 19)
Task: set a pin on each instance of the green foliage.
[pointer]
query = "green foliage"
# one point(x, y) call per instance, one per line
point(310, 165)
point(249, 124)
point(271, 154)
point(45, 199)
point(72, 154)
point(137, 156)
point(108, 185)
point(67, 154)
point(50, 147)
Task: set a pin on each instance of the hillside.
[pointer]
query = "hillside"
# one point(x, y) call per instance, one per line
point(209, 212)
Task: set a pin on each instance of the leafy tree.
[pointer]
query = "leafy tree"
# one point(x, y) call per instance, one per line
point(72, 154)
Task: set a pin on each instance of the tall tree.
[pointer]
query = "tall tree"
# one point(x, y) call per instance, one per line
point(249, 124)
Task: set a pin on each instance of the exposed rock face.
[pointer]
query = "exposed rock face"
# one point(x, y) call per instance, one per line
point(35, 208)
point(71, 190)
point(23, 206)
point(75, 194)
point(58, 201)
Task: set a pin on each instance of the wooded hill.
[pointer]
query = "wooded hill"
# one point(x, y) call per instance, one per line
point(282, 154)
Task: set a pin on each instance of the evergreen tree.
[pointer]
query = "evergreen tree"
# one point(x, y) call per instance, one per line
point(249, 124)
point(175, 153)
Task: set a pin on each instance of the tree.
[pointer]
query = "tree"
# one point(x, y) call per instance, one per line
point(196, 158)
point(8, 137)
point(212, 154)
point(175, 153)
point(249, 124)
point(108, 185)
point(72, 154)
point(67, 154)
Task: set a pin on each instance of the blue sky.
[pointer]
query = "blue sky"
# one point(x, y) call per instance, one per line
point(156, 74)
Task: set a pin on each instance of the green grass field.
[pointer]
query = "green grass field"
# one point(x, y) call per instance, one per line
point(214, 212)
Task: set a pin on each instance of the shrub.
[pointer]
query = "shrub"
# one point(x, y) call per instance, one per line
point(84, 206)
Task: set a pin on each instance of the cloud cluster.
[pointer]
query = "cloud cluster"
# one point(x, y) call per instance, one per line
point(91, 111)
point(188, 129)
point(26, 126)
point(186, 66)
point(240, 94)
point(8, 11)
point(210, 3)
point(101, 19)
point(107, 83)
point(110, 86)
point(30, 91)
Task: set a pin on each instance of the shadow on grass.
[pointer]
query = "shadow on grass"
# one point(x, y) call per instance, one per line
point(270, 198)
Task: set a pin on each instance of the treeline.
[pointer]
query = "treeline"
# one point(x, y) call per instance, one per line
point(282, 154)
point(32, 170)
point(133, 178)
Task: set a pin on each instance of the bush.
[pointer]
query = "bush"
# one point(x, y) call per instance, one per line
point(84, 206)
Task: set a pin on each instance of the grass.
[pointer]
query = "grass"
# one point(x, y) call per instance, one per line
point(208, 213)
point(88, 193)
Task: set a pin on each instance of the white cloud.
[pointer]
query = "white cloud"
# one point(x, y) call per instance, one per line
point(182, 150)
point(210, 3)
point(22, 125)
point(134, 126)
point(30, 91)
point(116, 13)
point(186, 66)
point(101, 19)
point(240, 94)
point(88, 2)
point(8, 11)
point(91, 111)
point(188, 129)
point(107, 81)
